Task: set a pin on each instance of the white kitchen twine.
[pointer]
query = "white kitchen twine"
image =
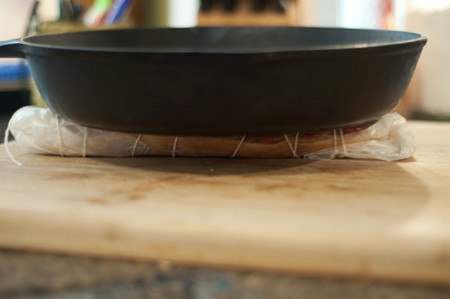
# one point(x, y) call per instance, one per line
point(174, 147)
point(344, 147)
point(6, 141)
point(136, 142)
point(238, 147)
point(292, 148)
point(60, 141)
point(236, 151)
point(335, 142)
point(297, 141)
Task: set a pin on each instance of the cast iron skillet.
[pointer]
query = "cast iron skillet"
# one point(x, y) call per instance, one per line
point(221, 80)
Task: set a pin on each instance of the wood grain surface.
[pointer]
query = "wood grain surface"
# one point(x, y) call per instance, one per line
point(372, 219)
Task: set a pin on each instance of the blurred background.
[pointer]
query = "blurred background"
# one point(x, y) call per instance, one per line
point(427, 98)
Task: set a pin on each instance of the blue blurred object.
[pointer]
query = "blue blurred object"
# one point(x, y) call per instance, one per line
point(14, 75)
point(117, 11)
point(14, 86)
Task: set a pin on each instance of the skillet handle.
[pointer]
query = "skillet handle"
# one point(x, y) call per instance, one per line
point(11, 48)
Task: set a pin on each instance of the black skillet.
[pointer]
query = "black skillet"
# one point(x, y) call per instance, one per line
point(221, 80)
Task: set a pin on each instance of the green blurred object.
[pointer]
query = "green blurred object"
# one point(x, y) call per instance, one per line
point(94, 16)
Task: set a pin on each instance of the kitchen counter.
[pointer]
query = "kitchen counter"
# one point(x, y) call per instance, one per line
point(32, 275)
point(359, 226)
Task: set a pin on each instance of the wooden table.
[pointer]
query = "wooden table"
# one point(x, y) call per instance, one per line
point(350, 218)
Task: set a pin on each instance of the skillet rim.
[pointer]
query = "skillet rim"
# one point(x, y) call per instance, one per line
point(31, 47)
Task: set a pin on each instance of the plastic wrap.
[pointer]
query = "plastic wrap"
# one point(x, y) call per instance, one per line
point(39, 131)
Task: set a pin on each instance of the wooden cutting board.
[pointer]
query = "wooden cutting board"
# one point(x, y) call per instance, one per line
point(343, 217)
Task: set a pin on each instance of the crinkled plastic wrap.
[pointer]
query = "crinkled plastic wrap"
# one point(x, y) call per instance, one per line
point(39, 131)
